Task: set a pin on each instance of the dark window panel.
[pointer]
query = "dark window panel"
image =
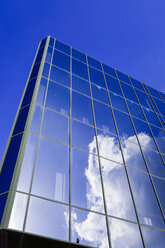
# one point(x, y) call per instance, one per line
point(109, 70)
point(95, 63)
point(80, 85)
point(45, 72)
point(35, 71)
point(96, 77)
point(118, 102)
point(160, 186)
point(78, 55)
point(36, 120)
point(151, 117)
point(160, 105)
point(128, 92)
point(9, 163)
point(152, 91)
point(43, 42)
point(21, 120)
point(51, 42)
point(159, 135)
point(60, 76)
point(137, 84)
point(162, 95)
point(113, 85)
point(100, 94)
point(79, 69)
point(135, 109)
point(62, 47)
point(61, 60)
point(29, 92)
point(41, 92)
point(153, 237)
point(3, 199)
point(39, 55)
point(123, 77)
point(143, 99)
point(49, 54)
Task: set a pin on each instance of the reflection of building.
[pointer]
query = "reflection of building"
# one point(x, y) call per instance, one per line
point(85, 158)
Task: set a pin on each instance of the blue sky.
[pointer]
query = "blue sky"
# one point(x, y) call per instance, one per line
point(128, 35)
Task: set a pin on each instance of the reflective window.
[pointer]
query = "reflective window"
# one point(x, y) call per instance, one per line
point(49, 54)
point(80, 85)
point(124, 234)
point(78, 55)
point(136, 84)
point(118, 102)
point(123, 77)
point(117, 193)
point(124, 125)
point(29, 92)
point(143, 99)
point(153, 237)
point(95, 63)
point(99, 94)
point(109, 70)
point(51, 176)
point(45, 72)
point(61, 60)
point(47, 218)
point(51, 42)
point(109, 146)
point(3, 199)
point(104, 118)
point(159, 135)
point(60, 76)
point(85, 169)
point(85, 227)
point(113, 85)
point(162, 95)
point(39, 55)
point(82, 108)
point(41, 91)
point(160, 186)
point(58, 98)
point(18, 211)
point(96, 77)
point(128, 92)
point(151, 117)
point(55, 126)
point(21, 120)
point(80, 69)
point(135, 110)
point(62, 47)
point(83, 136)
point(152, 91)
point(27, 164)
point(145, 199)
point(160, 105)
point(36, 69)
point(36, 120)
point(132, 154)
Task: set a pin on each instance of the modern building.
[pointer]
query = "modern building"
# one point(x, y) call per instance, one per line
point(84, 163)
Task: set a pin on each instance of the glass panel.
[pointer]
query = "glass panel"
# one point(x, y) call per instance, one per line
point(153, 238)
point(61, 60)
point(96, 77)
point(154, 162)
point(29, 93)
point(51, 42)
point(85, 169)
point(58, 98)
point(128, 92)
point(109, 146)
point(49, 55)
point(143, 99)
point(3, 199)
point(118, 102)
point(109, 70)
point(113, 85)
point(124, 234)
point(160, 186)
point(104, 118)
point(55, 126)
point(132, 154)
point(135, 110)
point(35, 70)
point(95, 63)
point(162, 95)
point(41, 91)
point(82, 108)
point(151, 117)
point(159, 135)
point(62, 47)
point(21, 120)
point(60, 76)
point(85, 228)
point(123, 77)
point(39, 55)
point(145, 199)
point(80, 85)
point(78, 55)
point(51, 176)
point(79, 69)
point(160, 105)
point(45, 72)
point(27, 164)
point(136, 84)
point(99, 94)
point(124, 125)
point(47, 218)
point(144, 134)
point(83, 136)
point(117, 194)
point(153, 91)
point(18, 211)
point(37, 114)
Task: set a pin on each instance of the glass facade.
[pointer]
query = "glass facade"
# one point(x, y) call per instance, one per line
point(85, 159)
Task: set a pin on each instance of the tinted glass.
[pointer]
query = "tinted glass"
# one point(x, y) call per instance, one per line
point(113, 85)
point(29, 92)
point(49, 54)
point(109, 70)
point(45, 72)
point(123, 77)
point(160, 186)
point(151, 117)
point(135, 110)
point(159, 136)
point(95, 63)
point(62, 47)
point(51, 42)
point(100, 94)
point(143, 99)
point(36, 120)
point(21, 120)
point(80, 85)
point(41, 92)
point(153, 237)
point(3, 199)
point(160, 105)
point(80, 69)
point(152, 91)
point(61, 60)
point(96, 77)
point(128, 92)
point(118, 102)
point(60, 76)
point(136, 84)
point(78, 55)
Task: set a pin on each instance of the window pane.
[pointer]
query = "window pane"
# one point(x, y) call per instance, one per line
point(47, 218)
point(123, 77)
point(60, 76)
point(51, 176)
point(55, 126)
point(45, 72)
point(80, 85)
point(153, 238)
point(49, 55)
point(117, 194)
point(96, 77)
point(128, 92)
point(61, 60)
point(160, 186)
point(160, 105)
point(145, 199)
point(58, 98)
point(113, 85)
point(109, 70)
point(135, 110)
point(99, 94)
point(80, 69)
point(78, 55)
point(95, 63)
point(85, 169)
point(143, 99)
point(153, 91)
point(29, 93)
point(36, 120)
point(151, 117)
point(62, 47)
point(136, 84)
point(118, 102)
point(85, 227)
point(159, 135)
point(83, 136)
point(41, 91)
point(3, 199)
point(82, 108)
point(21, 120)
point(51, 42)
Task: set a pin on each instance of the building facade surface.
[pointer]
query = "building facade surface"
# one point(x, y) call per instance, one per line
point(85, 157)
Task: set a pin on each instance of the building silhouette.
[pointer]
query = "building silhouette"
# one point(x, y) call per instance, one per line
point(84, 163)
